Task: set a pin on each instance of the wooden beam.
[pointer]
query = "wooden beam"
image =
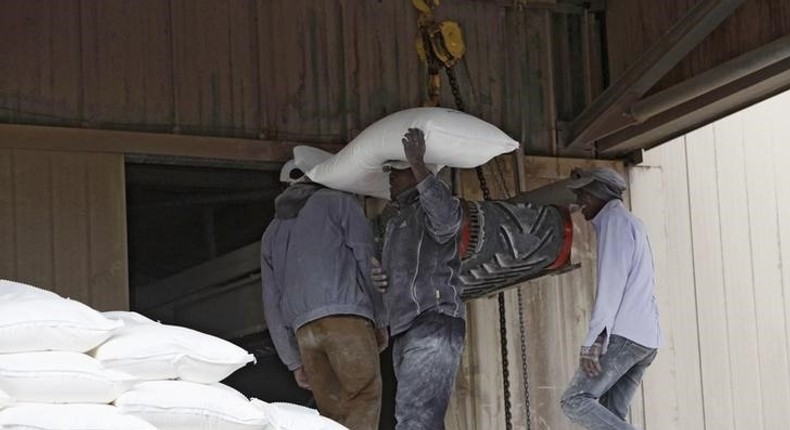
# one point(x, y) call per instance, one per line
point(15, 136)
point(549, 5)
point(607, 114)
point(699, 111)
point(212, 274)
point(721, 75)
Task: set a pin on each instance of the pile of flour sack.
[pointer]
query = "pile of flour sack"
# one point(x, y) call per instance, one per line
point(66, 366)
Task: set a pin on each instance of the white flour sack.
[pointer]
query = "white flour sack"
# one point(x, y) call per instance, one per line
point(179, 405)
point(40, 416)
point(5, 400)
point(11, 289)
point(452, 138)
point(60, 377)
point(152, 351)
point(287, 416)
point(32, 319)
point(307, 157)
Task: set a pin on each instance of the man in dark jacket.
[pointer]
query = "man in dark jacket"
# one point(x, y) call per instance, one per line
point(326, 319)
point(420, 274)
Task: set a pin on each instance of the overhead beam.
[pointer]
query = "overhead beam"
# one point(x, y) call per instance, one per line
point(15, 136)
point(239, 264)
point(157, 177)
point(225, 198)
point(721, 75)
point(608, 113)
point(549, 5)
point(699, 111)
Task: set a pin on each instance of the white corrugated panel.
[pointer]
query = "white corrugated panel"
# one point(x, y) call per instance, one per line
point(717, 205)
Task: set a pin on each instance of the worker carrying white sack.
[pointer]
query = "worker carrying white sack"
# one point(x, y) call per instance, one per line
point(420, 278)
point(420, 249)
point(326, 319)
point(452, 138)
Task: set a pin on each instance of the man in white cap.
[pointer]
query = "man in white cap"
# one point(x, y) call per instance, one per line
point(327, 320)
point(624, 334)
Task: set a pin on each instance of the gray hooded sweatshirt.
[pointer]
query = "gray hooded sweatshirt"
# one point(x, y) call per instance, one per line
point(420, 255)
point(315, 262)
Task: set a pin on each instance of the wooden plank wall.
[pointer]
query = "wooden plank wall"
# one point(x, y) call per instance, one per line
point(633, 26)
point(717, 205)
point(555, 310)
point(63, 224)
point(298, 70)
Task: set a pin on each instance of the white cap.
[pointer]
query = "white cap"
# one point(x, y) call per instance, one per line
point(581, 178)
point(305, 158)
point(287, 171)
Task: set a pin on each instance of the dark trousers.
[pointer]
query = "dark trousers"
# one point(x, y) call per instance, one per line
point(341, 360)
point(426, 359)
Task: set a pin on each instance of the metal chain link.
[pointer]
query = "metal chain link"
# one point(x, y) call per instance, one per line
point(523, 331)
point(505, 361)
point(459, 103)
point(481, 177)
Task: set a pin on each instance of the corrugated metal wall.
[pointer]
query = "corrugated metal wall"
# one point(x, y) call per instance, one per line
point(63, 225)
point(717, 205)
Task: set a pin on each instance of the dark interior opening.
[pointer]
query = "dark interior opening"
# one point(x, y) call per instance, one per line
point(193, 234)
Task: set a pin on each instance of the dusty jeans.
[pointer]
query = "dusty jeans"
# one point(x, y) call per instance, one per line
point(426, 358)
point(341, 360)
point(601, 403)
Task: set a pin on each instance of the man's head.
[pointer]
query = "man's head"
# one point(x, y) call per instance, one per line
point(400, 180)
point(290, 173)
point(596, 187)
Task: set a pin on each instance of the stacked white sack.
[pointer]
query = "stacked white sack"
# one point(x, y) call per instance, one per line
point(42, 416)
point(295, 417)
point(60, 377)
point(5, 400)
point(71, 388)
point(196, 401)
point(452, 138)
point(43, 338)
point(32, 319)
point(152, 351)
point(179, 405)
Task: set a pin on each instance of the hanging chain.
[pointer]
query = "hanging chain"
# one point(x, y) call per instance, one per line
point(481, 177)
point(459, 101)
point(523, 331)
point(459, 104)
point(505, 361)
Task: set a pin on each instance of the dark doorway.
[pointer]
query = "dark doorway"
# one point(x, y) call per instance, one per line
point(194, 233)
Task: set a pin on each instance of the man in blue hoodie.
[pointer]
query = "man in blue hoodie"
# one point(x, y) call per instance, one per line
point(420, 276)
point(325, 317)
